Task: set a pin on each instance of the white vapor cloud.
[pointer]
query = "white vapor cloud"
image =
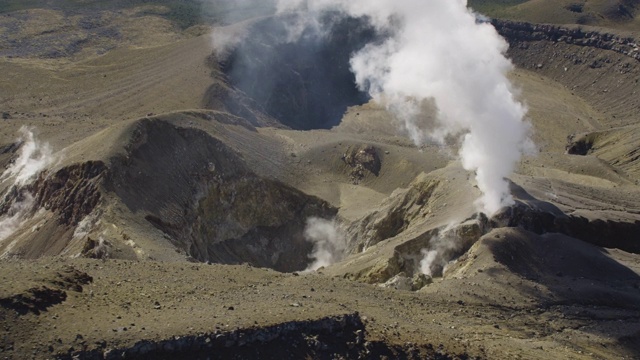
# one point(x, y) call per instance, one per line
point(440, 252)
point(329, 243)
point(438, 51)
point(15, 216)
point(33, 157)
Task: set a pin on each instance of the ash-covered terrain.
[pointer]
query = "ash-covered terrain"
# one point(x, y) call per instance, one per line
point(320, 179)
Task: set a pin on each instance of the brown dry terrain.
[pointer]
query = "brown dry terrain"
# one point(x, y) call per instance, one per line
point(170, 221)
point(615, 15)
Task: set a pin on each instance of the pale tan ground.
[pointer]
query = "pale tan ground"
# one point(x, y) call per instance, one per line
point(487, 306)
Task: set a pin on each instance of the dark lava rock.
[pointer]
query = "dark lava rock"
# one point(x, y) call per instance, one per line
point(362, 159)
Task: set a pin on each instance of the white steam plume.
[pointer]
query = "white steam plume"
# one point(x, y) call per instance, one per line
point(440, 252)
point(329, 243)
point(438, 51)
point(33, 157)
point(15, 216)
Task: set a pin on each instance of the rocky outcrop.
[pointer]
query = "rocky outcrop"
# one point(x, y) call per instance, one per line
point(362, 159)
point(394, 217)
point(447, 244)
point(402, 282)
point(621, 234)
point(260, 221)
point(209, 203)
point(423, 249)
point(44, 213)
point(72, 192)
point(183, 181)
point(95, 249)
point(516, 32)
point(580, 145)
point(603, 69)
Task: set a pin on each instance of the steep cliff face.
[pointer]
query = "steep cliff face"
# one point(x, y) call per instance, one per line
point(395, 239)
point(208, 203)
point(46, 212)
point(184, 182)
point(522, 32)
point(619, 14)
point(72, 192)
point(601, 68)
point(610, 233)
point(248, 219)
point(395, 216)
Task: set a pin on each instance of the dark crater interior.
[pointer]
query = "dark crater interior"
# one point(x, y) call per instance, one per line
point(305, 82)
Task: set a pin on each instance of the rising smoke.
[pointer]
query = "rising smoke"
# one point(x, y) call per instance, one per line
point(329, 243)
point(436, 51)
point(15, 216)
point(428, 53)
point(439, 51)
point(33, 157)
point(295, 67)
point(443, 248)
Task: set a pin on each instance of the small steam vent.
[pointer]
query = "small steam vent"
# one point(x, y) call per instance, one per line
point(300, 74)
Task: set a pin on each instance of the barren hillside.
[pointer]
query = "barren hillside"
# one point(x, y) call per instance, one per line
point(179, 182)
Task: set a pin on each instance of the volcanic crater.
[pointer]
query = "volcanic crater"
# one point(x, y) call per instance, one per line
point(174, 217)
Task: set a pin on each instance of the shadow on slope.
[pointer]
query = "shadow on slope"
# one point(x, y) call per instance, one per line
point(558, 278)
point(208, 203)
point(619, 147)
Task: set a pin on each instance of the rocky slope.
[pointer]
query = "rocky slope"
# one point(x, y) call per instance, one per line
point(144, 191)
point(209, 205)
point(600, 67)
